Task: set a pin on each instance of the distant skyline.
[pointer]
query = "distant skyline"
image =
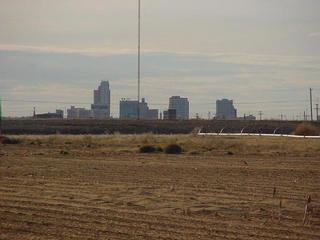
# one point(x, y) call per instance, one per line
point(264, 55)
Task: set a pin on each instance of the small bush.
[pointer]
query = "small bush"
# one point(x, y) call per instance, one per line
point(6, 140)
point(173, 149)
point(159, 149)
point(305, 129)
point(230, 153)
point(64, 152)
point(38, 142)
point(147, 149)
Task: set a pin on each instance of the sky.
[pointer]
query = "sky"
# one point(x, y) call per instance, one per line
point(265, 55)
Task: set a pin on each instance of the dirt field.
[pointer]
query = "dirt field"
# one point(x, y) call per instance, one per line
point(90, 187)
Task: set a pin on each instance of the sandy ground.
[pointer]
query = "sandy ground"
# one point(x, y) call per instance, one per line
point(82, 192)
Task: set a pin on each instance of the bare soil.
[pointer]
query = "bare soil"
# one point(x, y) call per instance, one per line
point(89, 187)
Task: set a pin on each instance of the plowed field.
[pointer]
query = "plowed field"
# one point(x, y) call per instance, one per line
point(96, 188)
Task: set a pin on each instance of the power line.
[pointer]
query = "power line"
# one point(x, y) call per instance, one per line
point(154, 103)
point(38, 101)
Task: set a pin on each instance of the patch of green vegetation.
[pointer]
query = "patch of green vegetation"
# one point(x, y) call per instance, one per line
point(159, 149)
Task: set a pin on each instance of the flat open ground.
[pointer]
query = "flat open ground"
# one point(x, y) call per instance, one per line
point(87, 187)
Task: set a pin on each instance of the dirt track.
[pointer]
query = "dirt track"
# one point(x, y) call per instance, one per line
point(82, 194)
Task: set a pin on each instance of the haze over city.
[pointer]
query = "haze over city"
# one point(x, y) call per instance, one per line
point(265, 55)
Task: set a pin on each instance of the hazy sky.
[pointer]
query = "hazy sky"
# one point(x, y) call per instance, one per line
point(262, 54)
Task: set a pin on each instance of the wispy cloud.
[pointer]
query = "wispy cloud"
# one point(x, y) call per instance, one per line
point(62, 75)
point(314, 35)
point(221, 57)
point(55, 49)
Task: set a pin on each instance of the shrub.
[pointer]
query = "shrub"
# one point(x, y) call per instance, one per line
point(64, 152)
point(36, 142)
point(305, 129)
point(230, 153)
point(6, 140)
point(173, 149)
point(159, 149)
point(147, 149)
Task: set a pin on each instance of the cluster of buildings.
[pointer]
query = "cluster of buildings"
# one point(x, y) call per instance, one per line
point(131, 109)
point(100, 107)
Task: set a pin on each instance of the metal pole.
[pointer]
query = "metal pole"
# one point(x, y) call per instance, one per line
point(0, 115)
point(139, 46)
point(311, 115)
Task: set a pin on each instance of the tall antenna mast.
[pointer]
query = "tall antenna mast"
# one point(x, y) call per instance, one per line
point(311, 115)
point(139, 46)
point(0, 114)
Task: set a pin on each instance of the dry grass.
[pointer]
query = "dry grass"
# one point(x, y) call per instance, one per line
point(189, 143)
point(306, 129)
point(101, 187)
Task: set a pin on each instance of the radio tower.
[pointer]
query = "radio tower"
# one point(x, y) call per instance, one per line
point(139, 32)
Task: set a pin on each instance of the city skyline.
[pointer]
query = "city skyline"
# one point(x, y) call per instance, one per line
point(263, 55)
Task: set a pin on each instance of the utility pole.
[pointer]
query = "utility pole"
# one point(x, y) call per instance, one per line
point(0, 115)
point(317, 111)
point(260, 114)
point(139, 46)
point(311, 115)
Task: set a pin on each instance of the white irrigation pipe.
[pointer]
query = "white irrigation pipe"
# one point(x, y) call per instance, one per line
point(255, 134)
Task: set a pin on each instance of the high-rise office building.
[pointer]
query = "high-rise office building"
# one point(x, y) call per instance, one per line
point(101, 106)
point(225, 109)
point(181, 105)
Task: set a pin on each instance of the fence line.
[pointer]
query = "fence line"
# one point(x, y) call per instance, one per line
point(255, 134)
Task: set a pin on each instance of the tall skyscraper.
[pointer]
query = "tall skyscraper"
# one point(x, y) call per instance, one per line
point(181, 105)
point(225, 109)
point(101, 98)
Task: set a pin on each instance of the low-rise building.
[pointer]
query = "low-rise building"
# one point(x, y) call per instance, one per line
point(170, 114)
point(247, 117)
point(129, 110)
point(57, 114)
point(74, 112)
